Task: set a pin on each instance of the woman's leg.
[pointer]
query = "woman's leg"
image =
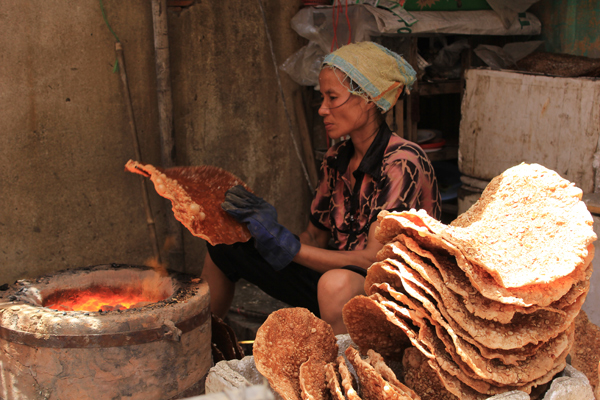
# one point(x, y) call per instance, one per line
point(226, 264)
point(336, 287)
point(221, 288)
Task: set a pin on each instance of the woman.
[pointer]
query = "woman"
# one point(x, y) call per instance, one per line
point(372, 171)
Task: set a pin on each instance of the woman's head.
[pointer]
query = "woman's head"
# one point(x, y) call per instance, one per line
point(372, 72)
point(359, 82)
point(345, 112)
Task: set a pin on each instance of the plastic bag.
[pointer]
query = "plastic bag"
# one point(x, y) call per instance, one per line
point(304, 65)
point(317, 25)
point(447, 62)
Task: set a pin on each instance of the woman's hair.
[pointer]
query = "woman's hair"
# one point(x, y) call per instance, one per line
point(353, 87)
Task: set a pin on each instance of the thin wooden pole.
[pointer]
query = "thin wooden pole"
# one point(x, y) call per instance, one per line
point(138, 154)
point(165, 119)
point(307, 147)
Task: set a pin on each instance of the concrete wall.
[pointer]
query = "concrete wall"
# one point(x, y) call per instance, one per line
point(65, 200)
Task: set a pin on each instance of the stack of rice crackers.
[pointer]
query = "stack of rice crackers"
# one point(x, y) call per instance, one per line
point(488, 301)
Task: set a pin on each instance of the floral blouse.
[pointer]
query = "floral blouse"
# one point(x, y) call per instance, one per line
point(394, 175)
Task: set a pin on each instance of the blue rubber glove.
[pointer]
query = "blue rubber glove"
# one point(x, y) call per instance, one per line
point(277, 245)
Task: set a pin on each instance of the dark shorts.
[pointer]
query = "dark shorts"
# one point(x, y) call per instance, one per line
point(295, 284)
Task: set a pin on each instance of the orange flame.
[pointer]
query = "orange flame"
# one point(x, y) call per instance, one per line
point(96, 299)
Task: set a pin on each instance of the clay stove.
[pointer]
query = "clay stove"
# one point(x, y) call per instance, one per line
point(158, 349)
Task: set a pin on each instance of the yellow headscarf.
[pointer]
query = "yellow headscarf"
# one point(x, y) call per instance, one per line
point(380, 73)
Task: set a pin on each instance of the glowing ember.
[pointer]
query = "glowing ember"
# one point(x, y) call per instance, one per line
point(98, 298)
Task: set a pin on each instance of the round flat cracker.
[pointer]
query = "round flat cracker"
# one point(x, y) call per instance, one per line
point(430, 235)
point(464, 392)
point(196, 195)
point(428, 299)
point(470, 361)
point(377, 361)
point(528, 227)
point(539, 361)
point(469, 384)
point(389, 292)
point(447, 363)
point(393, 223)
point(285, 341)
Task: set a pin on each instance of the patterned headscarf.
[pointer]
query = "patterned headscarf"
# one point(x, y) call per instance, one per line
point(380, 73)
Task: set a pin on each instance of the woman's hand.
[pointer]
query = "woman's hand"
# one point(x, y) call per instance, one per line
point(274, 242)
point(317, 257)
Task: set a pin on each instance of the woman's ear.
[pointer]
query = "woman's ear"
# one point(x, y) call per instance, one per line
point(370, 105)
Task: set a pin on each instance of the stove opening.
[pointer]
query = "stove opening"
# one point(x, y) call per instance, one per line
point(100, 298)
point(108, 290)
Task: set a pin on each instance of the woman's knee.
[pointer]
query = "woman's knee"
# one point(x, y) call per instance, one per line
point(337, 286)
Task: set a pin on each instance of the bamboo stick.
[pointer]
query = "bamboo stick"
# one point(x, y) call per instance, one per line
point(165, 119)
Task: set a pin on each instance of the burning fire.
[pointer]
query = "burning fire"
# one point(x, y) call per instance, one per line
point(109, 298)
point(97, 298)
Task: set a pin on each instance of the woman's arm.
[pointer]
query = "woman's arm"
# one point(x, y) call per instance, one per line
point(314, 236)
point(320, 259)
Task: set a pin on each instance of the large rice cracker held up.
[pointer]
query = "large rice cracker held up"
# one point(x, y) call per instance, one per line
point(285, 342)
point(196, 194)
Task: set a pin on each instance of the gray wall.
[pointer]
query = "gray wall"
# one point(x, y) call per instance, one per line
point(65, 199)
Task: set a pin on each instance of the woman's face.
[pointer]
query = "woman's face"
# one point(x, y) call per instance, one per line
point(343, 113)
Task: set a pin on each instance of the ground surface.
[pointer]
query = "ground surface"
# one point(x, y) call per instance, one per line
point(250, 308)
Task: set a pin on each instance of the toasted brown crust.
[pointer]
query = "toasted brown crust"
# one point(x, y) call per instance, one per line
point(196, 194)
point(380, 366)
point(522, 330)
point(348, 382)
point(285, 341)
point(334, 381)
point(422, 378)
point(447, 273)
point(372, 326)
point(373, 386)
point(312, 378)
point(489, 301)
point(540, 294)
